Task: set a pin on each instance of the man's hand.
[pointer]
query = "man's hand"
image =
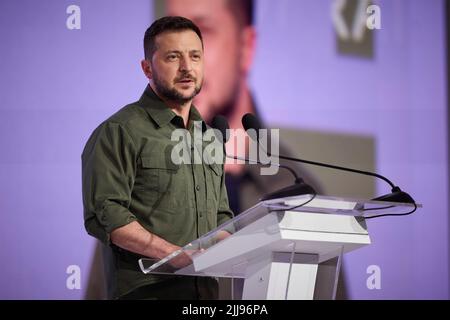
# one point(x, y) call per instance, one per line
point(182, 260)
point(222, 234)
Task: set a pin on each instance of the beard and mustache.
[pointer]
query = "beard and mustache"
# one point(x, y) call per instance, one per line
point(225, 108)
point(172, 94)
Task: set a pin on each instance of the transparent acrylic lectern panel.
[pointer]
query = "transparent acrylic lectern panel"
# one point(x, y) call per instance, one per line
point(253, 229)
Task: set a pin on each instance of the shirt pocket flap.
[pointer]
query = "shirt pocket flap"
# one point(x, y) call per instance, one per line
point(156, 163)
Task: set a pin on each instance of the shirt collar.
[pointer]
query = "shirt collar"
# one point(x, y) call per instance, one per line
point(160, 112)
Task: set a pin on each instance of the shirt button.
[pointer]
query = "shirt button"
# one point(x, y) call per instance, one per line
point(197, 188)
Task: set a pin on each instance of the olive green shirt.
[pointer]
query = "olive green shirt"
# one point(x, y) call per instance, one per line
point(128, 175)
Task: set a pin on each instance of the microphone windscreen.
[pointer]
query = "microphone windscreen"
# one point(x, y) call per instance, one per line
point(250, 122)
point(220, 123)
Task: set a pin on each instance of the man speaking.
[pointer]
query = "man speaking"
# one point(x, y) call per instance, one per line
point(137, 201)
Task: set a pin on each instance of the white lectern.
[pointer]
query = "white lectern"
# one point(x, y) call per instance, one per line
point(288, 248)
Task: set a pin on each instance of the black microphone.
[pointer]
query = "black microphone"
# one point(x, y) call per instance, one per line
point(220, 123)
point(249, 121)
point(298, 188)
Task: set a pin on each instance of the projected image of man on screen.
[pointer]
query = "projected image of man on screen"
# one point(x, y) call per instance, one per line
point(230, 36)
point(230, 43)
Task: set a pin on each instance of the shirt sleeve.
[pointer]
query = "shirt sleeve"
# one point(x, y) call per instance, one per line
point(108, 172)
point(224, 213)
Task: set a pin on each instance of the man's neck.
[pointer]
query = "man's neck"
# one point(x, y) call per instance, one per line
point(180, 109)
point(244, 104)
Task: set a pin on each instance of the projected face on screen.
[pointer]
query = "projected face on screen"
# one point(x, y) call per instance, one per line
point(227, 52)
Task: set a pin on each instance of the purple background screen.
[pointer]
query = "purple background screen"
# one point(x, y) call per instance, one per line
point(58, 84)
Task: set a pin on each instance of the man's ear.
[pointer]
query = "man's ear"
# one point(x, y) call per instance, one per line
point(147, 69)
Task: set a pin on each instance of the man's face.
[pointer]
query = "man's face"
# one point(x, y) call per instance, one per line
point(223, 52)
point(177, 65)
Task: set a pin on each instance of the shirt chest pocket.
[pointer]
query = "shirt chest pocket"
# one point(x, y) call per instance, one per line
point(158, 175)
point(162, 183)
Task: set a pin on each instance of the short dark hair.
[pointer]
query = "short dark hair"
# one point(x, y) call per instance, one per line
point(164, 24)
point(242, 10)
